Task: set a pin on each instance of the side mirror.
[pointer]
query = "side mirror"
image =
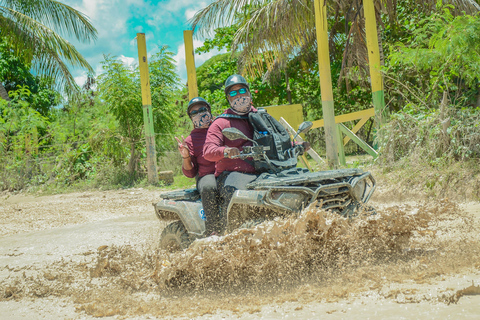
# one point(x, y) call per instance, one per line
point(234, 134)
point(304, 127)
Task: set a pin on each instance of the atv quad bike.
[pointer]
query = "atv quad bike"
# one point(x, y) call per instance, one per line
point(273, 194)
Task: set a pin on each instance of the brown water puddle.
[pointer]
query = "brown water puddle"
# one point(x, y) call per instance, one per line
point(417, 259)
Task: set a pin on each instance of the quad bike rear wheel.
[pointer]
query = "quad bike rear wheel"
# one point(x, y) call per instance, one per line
point(175, 237)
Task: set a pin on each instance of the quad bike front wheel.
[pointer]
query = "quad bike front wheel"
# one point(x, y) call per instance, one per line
point(175, 237)
point(251, 223)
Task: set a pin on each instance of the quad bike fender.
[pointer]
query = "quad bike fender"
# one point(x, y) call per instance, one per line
point(190, 213)
point(244, 197)
point(248, 197)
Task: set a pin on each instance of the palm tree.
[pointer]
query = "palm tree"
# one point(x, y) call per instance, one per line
point(286, 28)
point(35, 30)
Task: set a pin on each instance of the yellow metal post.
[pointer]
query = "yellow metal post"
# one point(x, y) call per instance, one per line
point(326, 82)
point(147, 109)
point(374, 61)
point(190, 62)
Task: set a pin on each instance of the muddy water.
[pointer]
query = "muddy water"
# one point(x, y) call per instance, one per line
point(88, 255)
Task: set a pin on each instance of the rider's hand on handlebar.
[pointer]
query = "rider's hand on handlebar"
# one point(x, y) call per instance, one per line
point(230, 152)
point(306, 145)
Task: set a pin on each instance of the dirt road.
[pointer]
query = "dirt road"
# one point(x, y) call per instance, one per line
point(94, 254)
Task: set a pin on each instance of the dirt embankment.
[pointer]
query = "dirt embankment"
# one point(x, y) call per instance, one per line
point(95, 254)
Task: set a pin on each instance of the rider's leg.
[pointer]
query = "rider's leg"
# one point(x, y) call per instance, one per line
point(227, 185)
point(207, 186)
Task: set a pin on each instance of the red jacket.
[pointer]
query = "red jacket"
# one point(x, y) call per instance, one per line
point(215, 144)
point(201, 166)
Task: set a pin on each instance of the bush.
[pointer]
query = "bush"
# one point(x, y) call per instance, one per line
point(436, 137)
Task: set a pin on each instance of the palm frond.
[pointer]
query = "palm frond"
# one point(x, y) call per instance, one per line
point(219, 13)
point(286, 28)
point(60, 17)
point(49, 52)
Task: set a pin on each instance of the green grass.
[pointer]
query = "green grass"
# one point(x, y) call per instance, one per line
point(180, 182)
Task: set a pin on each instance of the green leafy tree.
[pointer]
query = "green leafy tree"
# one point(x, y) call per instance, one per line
point(35, 30)
point(443, 56)
point(18, 119)
point(15, 73)
point(119, 88)
point(287, 28)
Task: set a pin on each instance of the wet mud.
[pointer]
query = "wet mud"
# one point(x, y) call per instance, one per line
point(90, 255)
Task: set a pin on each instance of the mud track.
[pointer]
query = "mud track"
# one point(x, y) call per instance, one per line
point(94, 254)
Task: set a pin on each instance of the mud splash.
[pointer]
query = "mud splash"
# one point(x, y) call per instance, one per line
point(317, 256)
point(312, 247)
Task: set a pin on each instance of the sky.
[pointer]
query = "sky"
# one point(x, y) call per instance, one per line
point(119, 21)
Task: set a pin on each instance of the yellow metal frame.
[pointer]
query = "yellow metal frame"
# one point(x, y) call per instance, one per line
point(293, 113)
point(363, 115)
point(326, 90)
point(147, 109)
point(190, 64)
point(373, 50)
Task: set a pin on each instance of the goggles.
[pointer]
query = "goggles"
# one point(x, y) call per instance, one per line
point(199, 110)
point(233, 93)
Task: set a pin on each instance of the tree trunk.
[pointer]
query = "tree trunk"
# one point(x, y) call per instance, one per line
point(132, 162)
point(289, 91)
point(4, 93)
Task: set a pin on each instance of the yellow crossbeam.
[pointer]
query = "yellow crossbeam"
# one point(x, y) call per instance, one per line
point(356, 128)
point(347, 117)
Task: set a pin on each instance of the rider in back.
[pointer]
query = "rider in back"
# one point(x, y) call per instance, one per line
point(195, 165)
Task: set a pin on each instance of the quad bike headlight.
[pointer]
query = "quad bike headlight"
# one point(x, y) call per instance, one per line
point(359, 189)
point(291, 200)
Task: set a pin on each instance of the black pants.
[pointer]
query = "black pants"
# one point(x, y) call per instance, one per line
point(228, 183)
point(207, 186)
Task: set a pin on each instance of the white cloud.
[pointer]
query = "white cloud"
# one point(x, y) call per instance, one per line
point(128, 61)
point(189, 13)
point(82, 78)
point(117, 22)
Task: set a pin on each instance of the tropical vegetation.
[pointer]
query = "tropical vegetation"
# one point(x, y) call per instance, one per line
point(54, 134)
point(35, 31)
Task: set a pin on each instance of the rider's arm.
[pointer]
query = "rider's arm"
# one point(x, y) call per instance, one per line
point(214, 147)
point(189, 164)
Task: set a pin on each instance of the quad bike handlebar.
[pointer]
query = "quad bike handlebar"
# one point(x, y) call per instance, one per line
point(258, 154)
point(255, 152)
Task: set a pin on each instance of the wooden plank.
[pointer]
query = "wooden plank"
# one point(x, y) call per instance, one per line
point(341, 150)
point(347, 117)
point(358, 141)
point(355, 129)
point(310, 151)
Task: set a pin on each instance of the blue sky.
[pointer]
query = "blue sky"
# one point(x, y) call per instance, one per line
point(119, 21)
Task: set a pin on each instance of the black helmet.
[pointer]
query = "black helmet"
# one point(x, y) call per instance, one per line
point(198, 100)
point(235, 79)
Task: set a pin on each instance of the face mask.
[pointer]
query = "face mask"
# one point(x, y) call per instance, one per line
point(202, 120)
point(241, 105)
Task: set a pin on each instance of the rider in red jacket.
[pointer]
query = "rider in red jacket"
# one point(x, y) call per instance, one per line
point(195, 165)
point(232, 174)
